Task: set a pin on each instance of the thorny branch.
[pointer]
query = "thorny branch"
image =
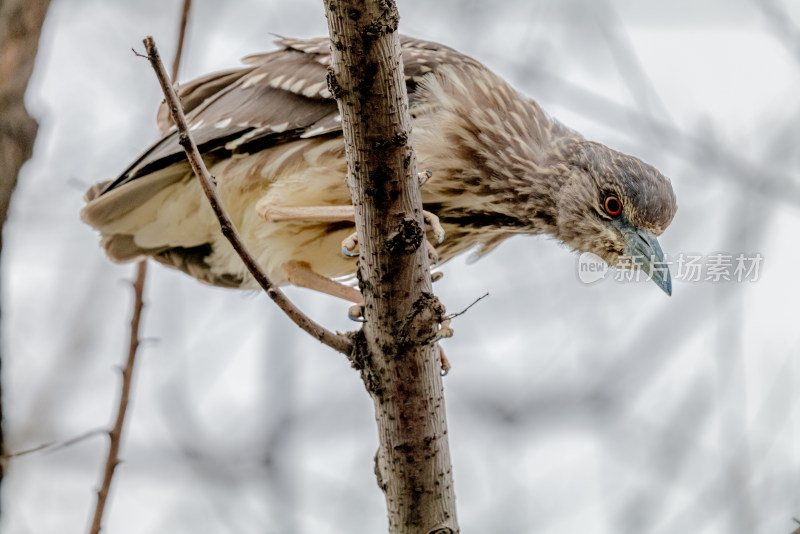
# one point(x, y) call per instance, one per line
point(112, 460)
point(115, 435)
point(338, 342)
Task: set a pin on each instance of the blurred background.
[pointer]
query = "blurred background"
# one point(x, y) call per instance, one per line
point(573, 407)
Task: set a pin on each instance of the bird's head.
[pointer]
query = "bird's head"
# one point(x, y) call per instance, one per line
point(614, 206)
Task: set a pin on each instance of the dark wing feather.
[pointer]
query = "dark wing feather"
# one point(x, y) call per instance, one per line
point(198, 91)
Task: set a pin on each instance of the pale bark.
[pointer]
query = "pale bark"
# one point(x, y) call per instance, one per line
point(395, 353)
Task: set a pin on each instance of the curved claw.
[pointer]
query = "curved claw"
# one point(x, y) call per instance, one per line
point(436, 226)
point(424, 176)
point(438, 275)
point(432, 254)
point(349, 245)
point(349, 253)
point(356, 313)
point(444, 331)
point(444, 362)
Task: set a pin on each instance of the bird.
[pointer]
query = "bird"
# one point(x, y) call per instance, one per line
point(497, 165)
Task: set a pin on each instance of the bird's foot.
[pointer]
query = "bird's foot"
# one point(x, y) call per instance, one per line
point(444, 330)
point(424, 176)
point(438, 275)
point(433, 255)
point(438, 232)
point(436, 226)
point(356, 313)
point(349, 245)
point(443, 361)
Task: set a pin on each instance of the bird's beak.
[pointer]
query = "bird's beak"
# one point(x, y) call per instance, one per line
point(643, 248)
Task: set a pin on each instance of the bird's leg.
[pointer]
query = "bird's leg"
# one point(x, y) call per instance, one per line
point(444, 332)
point(443, 361)
point(272, 213)
point(301, 274)
point(436, 226)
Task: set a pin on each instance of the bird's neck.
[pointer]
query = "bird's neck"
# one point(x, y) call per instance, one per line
point(508, 179)
point(494, 155)
point(545, 176)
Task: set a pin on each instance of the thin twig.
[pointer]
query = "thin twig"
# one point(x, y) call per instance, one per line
point(176, 63)
point(474, 302)
point(335, 341)
point(115, 435)
point(52, 446)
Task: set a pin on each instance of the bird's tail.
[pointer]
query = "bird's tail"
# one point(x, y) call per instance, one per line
point(124, 214)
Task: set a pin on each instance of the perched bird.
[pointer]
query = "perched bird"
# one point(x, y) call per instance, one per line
point(270, 132)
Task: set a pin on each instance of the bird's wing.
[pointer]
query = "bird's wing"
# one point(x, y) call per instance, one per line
point(275, 98)
point(198, 91)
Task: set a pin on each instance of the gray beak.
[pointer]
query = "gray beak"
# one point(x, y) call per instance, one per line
point(644, 250)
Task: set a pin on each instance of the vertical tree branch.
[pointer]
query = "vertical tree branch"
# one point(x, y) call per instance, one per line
point(396, 356)
point(115, 435)
point(20, 26)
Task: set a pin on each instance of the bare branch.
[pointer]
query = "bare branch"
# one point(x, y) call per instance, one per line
point(115, 435)
point(176, 63)
point(338, 342)
point(465, 310)
point(52, 446)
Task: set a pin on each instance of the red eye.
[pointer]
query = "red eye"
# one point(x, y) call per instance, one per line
point(612, 205)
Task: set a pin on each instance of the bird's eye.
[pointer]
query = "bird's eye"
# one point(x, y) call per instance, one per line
point(612, 205)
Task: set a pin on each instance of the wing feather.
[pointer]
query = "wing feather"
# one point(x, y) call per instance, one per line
point(277, 97)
